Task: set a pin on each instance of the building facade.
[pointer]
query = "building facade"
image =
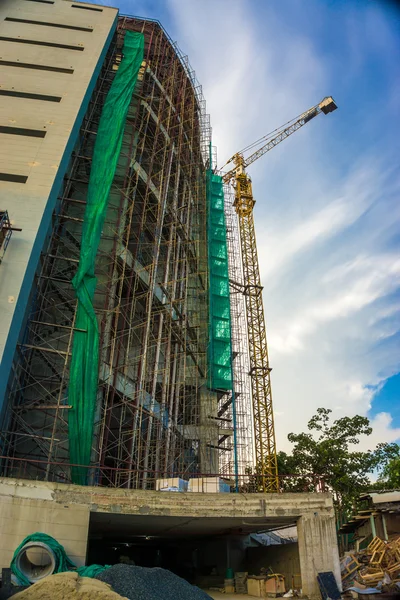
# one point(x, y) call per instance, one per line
point(157, 411)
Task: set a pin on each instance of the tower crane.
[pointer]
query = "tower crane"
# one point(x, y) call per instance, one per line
point(264, 430)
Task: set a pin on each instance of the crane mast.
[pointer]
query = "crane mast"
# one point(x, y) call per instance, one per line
point(264, 429)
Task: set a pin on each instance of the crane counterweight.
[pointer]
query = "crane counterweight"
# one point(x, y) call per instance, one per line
point(327, 105)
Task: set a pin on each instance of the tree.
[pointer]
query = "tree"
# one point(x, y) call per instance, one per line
point(388, 462)
point(326, 451)
point(325, 456)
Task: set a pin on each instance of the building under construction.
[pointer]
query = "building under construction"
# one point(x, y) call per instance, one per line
point(126, 369)
point(170, 397)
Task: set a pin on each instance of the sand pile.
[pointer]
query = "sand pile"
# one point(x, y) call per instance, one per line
point(68, 585)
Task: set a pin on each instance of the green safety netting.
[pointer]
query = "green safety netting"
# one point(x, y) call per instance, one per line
point(85, 349)
point(219, 358)
point(91, 570)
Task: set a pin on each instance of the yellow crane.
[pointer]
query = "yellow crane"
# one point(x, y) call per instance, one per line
point(264, 430)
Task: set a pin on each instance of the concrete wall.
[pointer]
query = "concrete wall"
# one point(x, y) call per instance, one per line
point(25, 510)
point(282, 559)
point(318, 549)
point(216, 553)
point(42, 160)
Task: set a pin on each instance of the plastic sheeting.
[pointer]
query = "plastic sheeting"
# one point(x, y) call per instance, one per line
point(220, 354)
point(92, 570)
point(85, 350)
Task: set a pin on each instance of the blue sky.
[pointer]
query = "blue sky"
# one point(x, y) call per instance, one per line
point(328, 210)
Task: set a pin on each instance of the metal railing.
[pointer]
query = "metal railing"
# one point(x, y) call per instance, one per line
point(116, 477)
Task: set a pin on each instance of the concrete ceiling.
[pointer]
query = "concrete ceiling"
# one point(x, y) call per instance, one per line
point(126, 527)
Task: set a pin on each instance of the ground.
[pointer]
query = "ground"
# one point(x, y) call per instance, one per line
point(221, 596)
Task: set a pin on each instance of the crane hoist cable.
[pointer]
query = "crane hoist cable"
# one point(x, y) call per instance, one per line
point(263, 417)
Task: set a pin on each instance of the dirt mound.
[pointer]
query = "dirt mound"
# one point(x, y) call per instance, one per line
point(68, 585)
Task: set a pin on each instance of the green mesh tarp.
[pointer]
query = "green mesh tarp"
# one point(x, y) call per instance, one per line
point(220, 363)
point(92, 570)
point(85, 349)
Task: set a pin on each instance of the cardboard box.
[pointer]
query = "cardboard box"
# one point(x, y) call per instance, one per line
point(266, 587)
point(209, 485)
point(256, 587)
point(171, 484)
point(275, 586)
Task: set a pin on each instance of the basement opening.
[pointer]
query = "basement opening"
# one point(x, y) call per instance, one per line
point(198, 549)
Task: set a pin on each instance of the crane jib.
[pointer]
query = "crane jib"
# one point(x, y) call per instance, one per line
point(311, 115)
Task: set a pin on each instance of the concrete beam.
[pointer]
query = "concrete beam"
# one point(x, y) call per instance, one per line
point(272, 506)
point(147, 502)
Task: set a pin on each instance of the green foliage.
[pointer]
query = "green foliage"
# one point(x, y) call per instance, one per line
point(327, 452)
point(391, 474)
point(388, 458)
point(326, 457)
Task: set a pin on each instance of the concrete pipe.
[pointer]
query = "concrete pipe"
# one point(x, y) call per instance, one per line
point(36, 561)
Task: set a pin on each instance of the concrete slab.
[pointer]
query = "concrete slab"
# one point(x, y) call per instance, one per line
point(110, 525)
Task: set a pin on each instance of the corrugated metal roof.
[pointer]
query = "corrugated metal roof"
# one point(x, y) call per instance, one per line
point(380, 497)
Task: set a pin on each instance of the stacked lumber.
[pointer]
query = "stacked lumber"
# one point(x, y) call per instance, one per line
point(241, 582)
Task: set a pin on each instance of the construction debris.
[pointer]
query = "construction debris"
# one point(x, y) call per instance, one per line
point(241, 582)
point(142, 583)
point(375, 568)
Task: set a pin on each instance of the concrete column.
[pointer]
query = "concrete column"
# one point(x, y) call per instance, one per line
point(373, 528)
point(318, 550)
point(385, 533)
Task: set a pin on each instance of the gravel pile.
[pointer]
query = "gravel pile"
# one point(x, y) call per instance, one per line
point(141, 583)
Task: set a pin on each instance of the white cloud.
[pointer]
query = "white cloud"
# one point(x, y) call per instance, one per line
point(346, 289)
point(327, 206)
point(382, 431)
point(323, 227)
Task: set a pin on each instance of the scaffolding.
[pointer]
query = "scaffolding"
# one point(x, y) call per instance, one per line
point(6, 231)
point(156, 415)
point(240, 350)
